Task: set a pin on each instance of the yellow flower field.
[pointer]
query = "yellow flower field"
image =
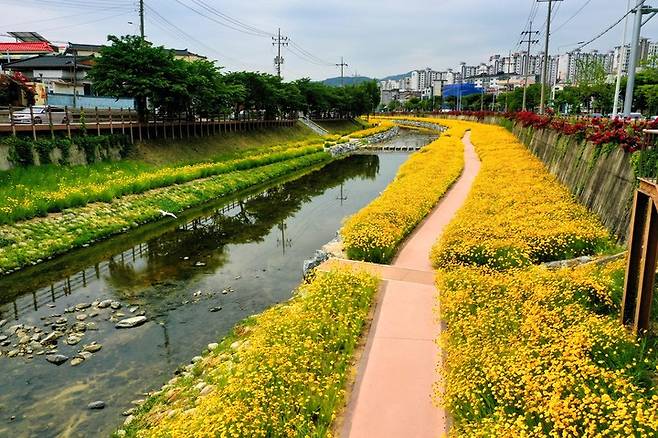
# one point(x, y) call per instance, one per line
point(382, 125)
point(517, 212)
point(281, 374)
point(532, 352)
point(374, 233)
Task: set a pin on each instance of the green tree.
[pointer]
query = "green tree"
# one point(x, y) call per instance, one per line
point(131, 66)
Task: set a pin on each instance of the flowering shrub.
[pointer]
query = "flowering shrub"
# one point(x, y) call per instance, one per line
point(383, 125)
point(281, 373)
point(535, 353)
point(374, 233)
point(34, 240)
point(79, 185)
point(517, 212)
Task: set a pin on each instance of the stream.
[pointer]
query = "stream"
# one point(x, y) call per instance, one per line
point(191, 279)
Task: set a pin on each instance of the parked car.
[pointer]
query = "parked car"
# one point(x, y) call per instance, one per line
point(596, 115)
point(40, 115)
point(635, 116)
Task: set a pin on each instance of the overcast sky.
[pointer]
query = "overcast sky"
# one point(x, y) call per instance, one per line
point(376, 37)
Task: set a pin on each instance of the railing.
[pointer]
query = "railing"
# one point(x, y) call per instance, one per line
point(126, 121)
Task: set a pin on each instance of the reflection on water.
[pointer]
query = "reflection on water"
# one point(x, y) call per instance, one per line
point(241, 255)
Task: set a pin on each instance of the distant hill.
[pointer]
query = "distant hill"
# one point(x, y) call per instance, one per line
point(395, 77)
point(347, 80)
point(351, 80)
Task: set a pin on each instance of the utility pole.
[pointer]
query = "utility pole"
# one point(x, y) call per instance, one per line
point(141, 18)
point(528, 34)
point(622, 48)
point(342, 65)
point(279, 41)
point(634, 58)
point(544, 73)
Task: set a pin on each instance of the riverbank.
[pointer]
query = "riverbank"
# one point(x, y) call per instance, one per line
point(224, 405)
point(130, 194)
point(196, 277)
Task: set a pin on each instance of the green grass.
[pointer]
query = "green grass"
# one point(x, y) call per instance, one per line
point(27, 192)
point(28, 242)
point(344, 127)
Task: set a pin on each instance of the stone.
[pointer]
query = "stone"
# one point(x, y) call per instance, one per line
point(215, 309)
point(100, 404)
point(92, 348)
point(76, 361)
point(129, 420)
point(3, 322)
point(94, 314)
point(12, 353)
point(128, 412)
point(131, 322)
point(81, 317)
point(51, 305)
point(213, 346)
point(207, 390)
point(82, 306)
point(57, 359)
point(196, 359)
point(133, 309)
point(104, 304)
point(73, 340)
point(115, 305)
point(79, 327)
point(91, 326)
point(119, 314)
point(3, 338)
point(51, 338)
point(61, 321)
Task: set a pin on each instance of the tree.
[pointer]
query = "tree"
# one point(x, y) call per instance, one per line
point(132, 66)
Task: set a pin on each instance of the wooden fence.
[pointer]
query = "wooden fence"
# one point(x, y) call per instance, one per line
point(125, 121)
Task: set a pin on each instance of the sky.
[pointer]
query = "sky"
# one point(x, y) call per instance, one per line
point(377, 38)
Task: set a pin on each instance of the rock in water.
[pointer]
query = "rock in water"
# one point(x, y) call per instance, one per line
point(92, 348)
point(100, 404)
point(131, 322)
point(57, 359)
point(105, 303)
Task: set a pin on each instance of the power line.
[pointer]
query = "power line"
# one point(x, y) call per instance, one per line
point(166, 25)
point(220, 22)
point(608, 29)
point(235, 21)
point(568, 20)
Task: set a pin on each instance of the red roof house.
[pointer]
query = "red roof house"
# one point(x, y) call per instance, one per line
point(15, 51)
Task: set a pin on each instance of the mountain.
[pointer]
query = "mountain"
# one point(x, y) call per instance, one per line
point(347, 80)
point(395, 77)
point(351, 80)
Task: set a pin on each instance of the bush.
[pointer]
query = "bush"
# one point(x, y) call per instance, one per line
point(281, 373)
point(517, 213)
point(374, 233)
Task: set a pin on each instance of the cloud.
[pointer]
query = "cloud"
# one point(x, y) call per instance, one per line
point(376, 37)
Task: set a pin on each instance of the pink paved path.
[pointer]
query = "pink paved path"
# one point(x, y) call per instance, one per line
point(392, 395)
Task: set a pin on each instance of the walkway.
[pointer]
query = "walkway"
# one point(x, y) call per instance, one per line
point(394, 384)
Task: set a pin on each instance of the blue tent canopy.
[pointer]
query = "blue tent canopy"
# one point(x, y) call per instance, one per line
point(460, 89)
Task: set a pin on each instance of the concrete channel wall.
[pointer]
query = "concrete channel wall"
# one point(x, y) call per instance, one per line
point(604, 183)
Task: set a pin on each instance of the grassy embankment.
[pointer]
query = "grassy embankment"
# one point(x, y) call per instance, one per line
point(529, 351)
point(104, 199)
